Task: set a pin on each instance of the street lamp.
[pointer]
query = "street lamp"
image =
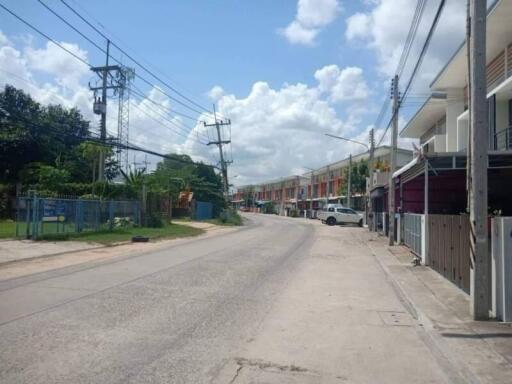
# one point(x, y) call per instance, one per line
point(311, 183)
point(368, 149)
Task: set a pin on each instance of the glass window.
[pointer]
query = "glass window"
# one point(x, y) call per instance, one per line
point(331, 209)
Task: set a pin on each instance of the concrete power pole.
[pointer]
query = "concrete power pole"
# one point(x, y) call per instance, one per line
point(103, 129)
point(480, 273)
point(349, 186)
point(220, 143)
point(394, 136)
point(311, 202)
point(109, 76)
point(370, 173)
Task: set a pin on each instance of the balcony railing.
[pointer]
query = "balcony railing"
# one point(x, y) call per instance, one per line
point(503, 140)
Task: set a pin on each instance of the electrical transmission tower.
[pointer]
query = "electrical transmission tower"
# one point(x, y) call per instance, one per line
point(220, 142)
point(116, 78)
point(125, 76)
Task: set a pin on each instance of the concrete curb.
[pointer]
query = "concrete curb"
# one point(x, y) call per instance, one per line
point(456, 370)
point(48, 256)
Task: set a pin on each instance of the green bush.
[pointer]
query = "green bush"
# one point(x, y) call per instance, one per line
point(294, 213)
point(230, 217)
point(154, 220)
point(268, 208)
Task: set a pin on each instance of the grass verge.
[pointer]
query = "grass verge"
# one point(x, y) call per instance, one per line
point(170, 231)
point(232, 218)
point(7, 229)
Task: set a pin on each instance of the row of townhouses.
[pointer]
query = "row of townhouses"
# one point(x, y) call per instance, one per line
point(431, 184)
point(431, 196)
point(313, 190)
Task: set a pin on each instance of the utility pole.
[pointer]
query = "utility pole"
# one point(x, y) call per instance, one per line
point(103, 129)
point(349, 186)
point(219, 143)
point(370, 173)
point(312, 194)
point(480, 273)
point(281, 207)
point(394, 136)
point(112, 78)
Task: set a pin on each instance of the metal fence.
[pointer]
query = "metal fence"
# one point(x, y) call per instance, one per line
point(448, 248)
point(412, 232)
point(37, 216)
point(203, 210)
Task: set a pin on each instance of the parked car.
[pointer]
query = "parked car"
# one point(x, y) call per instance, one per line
point(340, 215)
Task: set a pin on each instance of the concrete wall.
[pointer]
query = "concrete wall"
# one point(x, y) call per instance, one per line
point(462, 134)
point(454, 107)
point(440, 143)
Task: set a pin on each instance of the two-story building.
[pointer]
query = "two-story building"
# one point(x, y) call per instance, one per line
point(311, 191)
point(431, 191)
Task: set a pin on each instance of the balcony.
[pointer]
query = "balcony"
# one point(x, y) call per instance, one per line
point(502, 140)
point(379, 179)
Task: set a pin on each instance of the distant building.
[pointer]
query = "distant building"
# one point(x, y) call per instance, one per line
point(315, 188)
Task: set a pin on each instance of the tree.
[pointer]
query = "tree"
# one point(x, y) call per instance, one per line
point(135, 177)
point(199, 178)
point(358, 178)
point(32, 133)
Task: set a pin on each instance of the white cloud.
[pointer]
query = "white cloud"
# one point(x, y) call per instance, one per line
point(358, 26)
point(216, 93)
point(276, 131)
point(4, 40)
point(295, 33)
point(52, 76)
point(385, 26)
point(52, 60)
point(347, 84)
point(311, 17)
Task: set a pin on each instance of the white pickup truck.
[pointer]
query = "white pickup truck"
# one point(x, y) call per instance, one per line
point(338, 214)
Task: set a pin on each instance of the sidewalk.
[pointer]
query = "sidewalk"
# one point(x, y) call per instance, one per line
point(355, 313)
point(24, 257)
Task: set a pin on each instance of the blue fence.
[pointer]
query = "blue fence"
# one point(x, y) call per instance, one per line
point(203, 210)
point(37, 216)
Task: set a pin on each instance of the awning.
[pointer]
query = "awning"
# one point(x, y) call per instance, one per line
point(406, 167)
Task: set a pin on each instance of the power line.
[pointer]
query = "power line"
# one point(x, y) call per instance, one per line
point(418, 13)
point(62, 47)
point(110, 142)
point(184, 128)
point(140, 93)
point(179, 133)
point(134, 60)
point(418, 64)
point(125, 44)
point(424, 48)
point(44, 35)
point(115, 59)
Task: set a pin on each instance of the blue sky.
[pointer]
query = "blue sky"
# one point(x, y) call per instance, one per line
point(282, 88)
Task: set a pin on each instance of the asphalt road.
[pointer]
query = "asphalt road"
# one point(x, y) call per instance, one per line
point(171, 316)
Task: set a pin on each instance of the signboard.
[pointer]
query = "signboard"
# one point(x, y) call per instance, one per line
point(54, 211)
